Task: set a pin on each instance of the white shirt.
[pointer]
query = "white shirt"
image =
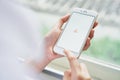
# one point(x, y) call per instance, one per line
point(19, 38)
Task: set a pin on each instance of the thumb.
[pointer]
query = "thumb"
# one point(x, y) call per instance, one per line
point(67, 75)
point(63, 20)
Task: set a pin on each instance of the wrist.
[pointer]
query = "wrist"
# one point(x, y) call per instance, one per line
point(48, 50)
point(38, 66)
point(45, 60)
point(41, 61)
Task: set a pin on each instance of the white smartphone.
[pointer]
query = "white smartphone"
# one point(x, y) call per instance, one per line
point(76, 31)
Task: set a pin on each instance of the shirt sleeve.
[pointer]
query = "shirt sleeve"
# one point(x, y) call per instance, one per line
point(19, 40)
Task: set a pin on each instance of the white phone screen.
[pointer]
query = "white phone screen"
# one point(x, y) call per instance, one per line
point(75, 32)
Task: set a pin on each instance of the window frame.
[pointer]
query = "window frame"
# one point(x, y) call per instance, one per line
point(97, 69)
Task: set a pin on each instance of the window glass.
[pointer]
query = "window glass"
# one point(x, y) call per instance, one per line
point(105, 45)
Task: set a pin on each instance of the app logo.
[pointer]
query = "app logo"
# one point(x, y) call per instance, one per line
point(76, 31)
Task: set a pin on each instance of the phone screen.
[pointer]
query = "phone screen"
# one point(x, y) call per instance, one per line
point(75, 32)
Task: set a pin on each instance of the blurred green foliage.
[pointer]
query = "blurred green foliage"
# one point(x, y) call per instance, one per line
point(106, 49)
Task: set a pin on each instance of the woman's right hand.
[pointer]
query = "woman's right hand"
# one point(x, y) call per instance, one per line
point(78, 71)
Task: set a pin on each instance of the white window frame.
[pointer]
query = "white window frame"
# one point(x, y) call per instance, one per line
point(99, 70)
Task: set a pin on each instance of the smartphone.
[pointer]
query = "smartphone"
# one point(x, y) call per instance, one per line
point(76, 31)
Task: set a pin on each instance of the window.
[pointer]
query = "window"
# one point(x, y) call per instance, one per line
point(103, 56)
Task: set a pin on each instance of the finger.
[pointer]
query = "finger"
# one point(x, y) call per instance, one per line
point(95, 24)
point(63, 20)
point(67, 75)
point(83, 67)
point(91, 34)
point(85, 71)
point(72, 61)
point(87, 44)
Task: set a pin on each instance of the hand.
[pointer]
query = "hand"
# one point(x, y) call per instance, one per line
point(91, 35)
point(53, 35)
point(77, 71)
